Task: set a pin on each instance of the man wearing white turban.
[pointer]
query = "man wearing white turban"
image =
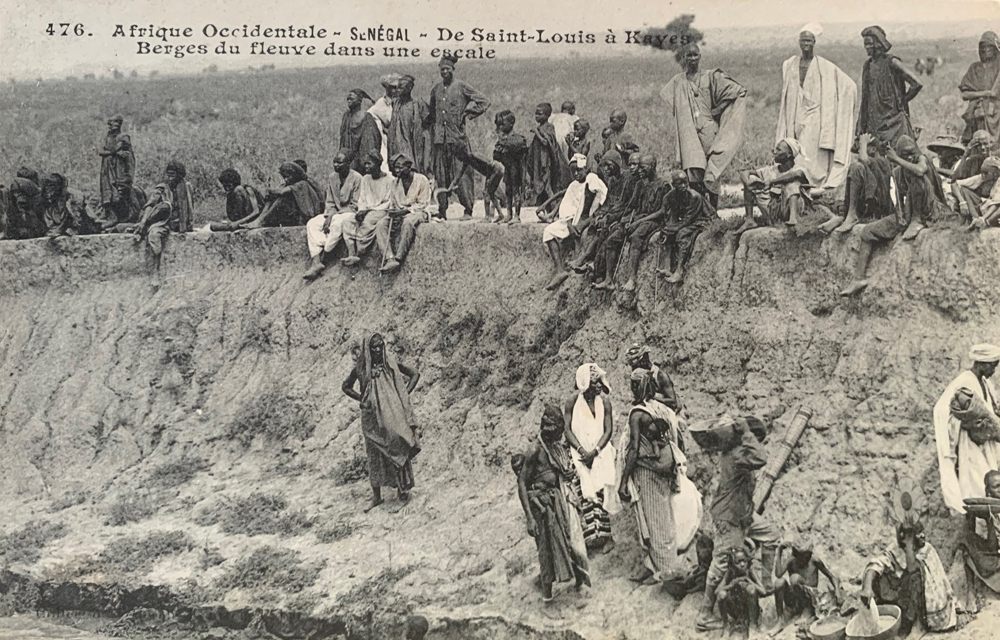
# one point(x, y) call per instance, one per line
point(589, 424)
point(967, 429)
point(817, 109)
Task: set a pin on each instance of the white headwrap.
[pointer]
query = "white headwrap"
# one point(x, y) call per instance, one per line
point(814, 28)
point(794, 145)
point(979, 353)
point(578, 160)
point(583, 376)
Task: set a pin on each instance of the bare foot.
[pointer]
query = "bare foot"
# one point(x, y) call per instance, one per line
point(849, 223)
point(855, 287)
point(630, 285)
point(831, 224)
point(374, 503)
point(646, 574)
point(603, 285)
point(608, 547)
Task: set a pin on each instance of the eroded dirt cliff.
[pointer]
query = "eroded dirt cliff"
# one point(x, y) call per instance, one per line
point(194, 435)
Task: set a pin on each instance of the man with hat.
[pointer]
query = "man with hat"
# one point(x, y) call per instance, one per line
point(817, 110)
point(452, 103)
point(117, 171)
point(886, 91)
point(967, 429)
point(585, 194)
point(947, 153)
point(742, 454)
point(409, 204)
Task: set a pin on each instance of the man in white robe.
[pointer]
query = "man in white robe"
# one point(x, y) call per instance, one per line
point(970, 401)
point(817, 109)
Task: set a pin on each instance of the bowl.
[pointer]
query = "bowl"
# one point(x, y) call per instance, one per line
point(714, 434)
point(889, 632)
point(828, 628)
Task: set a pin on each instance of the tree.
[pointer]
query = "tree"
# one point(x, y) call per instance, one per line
point(675, 36)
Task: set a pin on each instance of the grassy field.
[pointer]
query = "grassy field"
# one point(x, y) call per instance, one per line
point(253, 122)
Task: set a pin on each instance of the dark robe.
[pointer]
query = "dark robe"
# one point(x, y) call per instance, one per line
point(407, 134)
point(118, 168)
point(387, 420)
point(17, 223)
point(547, 168)
point(883, 112)
point(350, 129)
point(982, 113)
point(511, 151)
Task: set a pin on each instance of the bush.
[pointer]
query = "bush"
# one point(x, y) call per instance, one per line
point(26, 544)
point(271, 568)
point(255, 515)
point(138, 555)
point(173, 474)
point(131, 509)
point(336, 532)
point(272, 415)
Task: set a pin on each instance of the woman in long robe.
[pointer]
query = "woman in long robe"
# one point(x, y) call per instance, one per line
point(981, 89)
point(387, 420)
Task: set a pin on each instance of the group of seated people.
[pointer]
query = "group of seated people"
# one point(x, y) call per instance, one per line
point(615, 214)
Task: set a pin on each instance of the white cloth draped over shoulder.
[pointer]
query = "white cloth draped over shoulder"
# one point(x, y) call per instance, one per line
point(963, 464)
point(588, 428)
point(382, 112)
point(819, 113)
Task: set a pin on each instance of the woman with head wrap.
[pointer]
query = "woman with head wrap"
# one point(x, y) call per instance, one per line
point(387, 421)
point(886, 90)
point(452, 103)
point(292, 204)
point(817, 109)
point(649, 474)
point(552, 507)
point(980, 87)
point(589, 423)
point(352, 124)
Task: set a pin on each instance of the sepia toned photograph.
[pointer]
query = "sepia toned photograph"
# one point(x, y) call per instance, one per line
point(532, 321)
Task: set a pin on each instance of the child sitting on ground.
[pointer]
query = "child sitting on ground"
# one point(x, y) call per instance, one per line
point(796, 590)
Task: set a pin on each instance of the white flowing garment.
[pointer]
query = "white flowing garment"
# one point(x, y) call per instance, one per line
point(588, 428)
point(820, 115)
point(955, 446)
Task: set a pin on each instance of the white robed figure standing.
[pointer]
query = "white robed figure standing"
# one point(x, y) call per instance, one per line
point(968, 412)
point(817, 109)
point(588, 430)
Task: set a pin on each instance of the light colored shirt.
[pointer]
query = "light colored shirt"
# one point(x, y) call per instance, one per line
point(374, 195)
point(571, 207)
point(342, 195)
point(417, 199)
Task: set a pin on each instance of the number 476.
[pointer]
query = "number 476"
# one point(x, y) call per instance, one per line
point(64, 27)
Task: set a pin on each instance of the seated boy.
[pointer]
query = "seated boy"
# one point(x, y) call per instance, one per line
point(242, 202)
point(979, 196)
point(796, 589)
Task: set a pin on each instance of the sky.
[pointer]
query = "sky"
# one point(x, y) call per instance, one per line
point(27, 51)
